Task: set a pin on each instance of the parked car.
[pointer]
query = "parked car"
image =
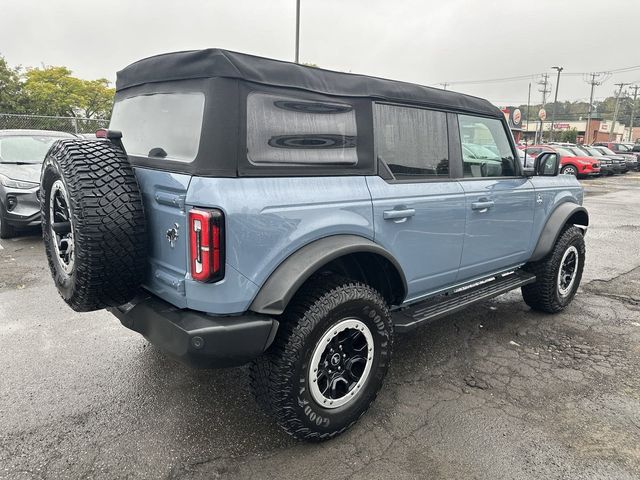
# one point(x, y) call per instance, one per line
point(609, 164)
point(606, 165)
point(21, 156)
point(618, 161)
point(570, 163)
point(625, 151)
point(625, 160)
point(238, 213)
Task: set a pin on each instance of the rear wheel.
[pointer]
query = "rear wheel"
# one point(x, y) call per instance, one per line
point(328, 361)
point(93, 224)
point(558, 275)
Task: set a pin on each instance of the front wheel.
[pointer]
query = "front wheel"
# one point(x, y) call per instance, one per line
point(328, 361)
point(558, 275)
point(569, 170)
point(6, 230)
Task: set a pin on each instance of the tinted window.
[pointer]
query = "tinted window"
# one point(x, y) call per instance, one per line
point(161, 125)
point(412, 141)
point(290, 131)
point(486, 151)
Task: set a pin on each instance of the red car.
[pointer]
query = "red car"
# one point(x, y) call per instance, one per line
point(570, 163)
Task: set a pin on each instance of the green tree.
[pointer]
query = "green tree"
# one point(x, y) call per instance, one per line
point(10, 88)
point(97, 98)
point(569, 136)
point(54, 91)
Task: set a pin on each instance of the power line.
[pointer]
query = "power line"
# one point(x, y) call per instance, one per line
point(533, 75)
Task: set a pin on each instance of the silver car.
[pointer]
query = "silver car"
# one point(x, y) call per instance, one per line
point(21, 156)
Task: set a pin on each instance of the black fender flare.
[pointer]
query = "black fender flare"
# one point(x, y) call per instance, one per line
point(557, 220)
point(288, 277)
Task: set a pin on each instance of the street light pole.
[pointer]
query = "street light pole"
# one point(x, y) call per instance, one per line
point(555, 100)
point(297, 31)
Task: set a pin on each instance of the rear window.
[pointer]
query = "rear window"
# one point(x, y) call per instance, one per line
point(160, 125)
point(291, 131)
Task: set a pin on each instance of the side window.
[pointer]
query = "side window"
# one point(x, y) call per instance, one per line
point(291, 131)
point(486, 151)
point(412, 141)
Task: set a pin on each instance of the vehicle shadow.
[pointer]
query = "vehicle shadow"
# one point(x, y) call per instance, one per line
point(221, 400)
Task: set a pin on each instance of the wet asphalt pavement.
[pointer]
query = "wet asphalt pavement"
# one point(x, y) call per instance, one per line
point(498, 392)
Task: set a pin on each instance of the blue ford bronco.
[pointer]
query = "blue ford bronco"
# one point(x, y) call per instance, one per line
point(246, 210)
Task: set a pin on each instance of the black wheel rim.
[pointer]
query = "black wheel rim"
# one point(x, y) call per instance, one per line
point(341, 363)
point(60, 227)
point(568, 271)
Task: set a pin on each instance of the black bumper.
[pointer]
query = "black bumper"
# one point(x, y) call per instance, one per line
point(195, 338)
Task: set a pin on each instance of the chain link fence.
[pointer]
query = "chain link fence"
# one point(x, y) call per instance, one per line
point(42, 122)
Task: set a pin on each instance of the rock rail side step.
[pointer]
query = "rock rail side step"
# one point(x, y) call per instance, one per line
point(445, 304)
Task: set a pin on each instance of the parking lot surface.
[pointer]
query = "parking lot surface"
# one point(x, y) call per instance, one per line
point(495, 392)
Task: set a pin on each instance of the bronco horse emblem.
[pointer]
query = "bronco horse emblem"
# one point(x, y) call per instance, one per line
point(173, 234)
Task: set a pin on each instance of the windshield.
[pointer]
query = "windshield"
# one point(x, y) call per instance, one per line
point(25, 149)
point(594, 151)
point(576, 151)
point(564, 152)
point(606, 151)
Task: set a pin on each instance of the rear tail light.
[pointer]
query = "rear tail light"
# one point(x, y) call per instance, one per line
point(206, 239)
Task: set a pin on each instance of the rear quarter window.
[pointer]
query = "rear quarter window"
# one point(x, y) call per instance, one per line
point(283, 130)
point(160, 125)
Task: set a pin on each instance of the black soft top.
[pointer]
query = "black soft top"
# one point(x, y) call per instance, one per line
point(214, 62)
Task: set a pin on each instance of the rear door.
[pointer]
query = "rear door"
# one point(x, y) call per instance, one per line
point(418, 209)
point(158, 128)
point(499, 202)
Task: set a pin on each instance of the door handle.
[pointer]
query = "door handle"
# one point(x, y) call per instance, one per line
point(396, 214)
point(482, 205)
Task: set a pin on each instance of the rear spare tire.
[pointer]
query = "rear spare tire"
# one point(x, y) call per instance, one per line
point(93, 224)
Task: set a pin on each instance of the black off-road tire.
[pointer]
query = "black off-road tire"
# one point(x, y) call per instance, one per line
point(6, 230)
point(544, 295)
point(280, 378)
point(107, 221)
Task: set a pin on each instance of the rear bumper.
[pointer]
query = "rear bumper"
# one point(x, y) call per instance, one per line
point(196, 338)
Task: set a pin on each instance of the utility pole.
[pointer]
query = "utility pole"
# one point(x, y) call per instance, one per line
point(528, 106)
point(555, 100)
point(617, 109)
point(594, 79)
point(444, 85)
point(544, 83)
point(633, 110)
point(297, 31)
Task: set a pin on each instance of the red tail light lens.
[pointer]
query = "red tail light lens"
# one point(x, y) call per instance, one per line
point(206, 238)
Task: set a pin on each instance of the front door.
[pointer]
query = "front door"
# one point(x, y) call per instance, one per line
point(418, 209)
point(499, 202)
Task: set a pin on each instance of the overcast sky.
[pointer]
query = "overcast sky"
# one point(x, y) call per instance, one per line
point(427, 42)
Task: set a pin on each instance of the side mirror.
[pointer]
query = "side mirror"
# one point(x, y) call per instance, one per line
point(547, 164)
